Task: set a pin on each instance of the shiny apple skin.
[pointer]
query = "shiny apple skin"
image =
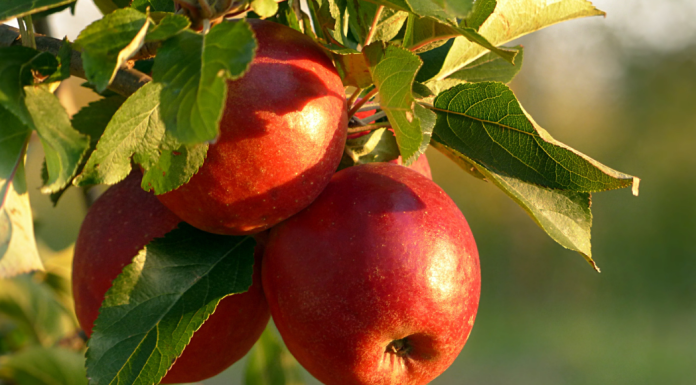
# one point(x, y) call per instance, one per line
point(118, 225)
point(383, 254)
point(281, 138)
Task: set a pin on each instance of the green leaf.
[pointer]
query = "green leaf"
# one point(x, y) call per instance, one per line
point(481, 12)
point(135, 129)
point(106, 44)
point(44, 366)
point(17, 67)
point(564, 215)
point(194, 71)
point(393, 70)
point(18, 253)
point(169, 26)
point(488, 68)
point(271, 364)
point(175, 166)
point(63, 145)
point(353, 69)
point(376, 146)
point(155, 5)
point(157, 302)
point(33, 308)
point(486, 123)
point(18, 8)
point(91, 120)
point(264, 8)
point(510, 20)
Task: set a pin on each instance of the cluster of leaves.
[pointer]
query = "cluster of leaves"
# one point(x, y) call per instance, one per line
point(437, 72)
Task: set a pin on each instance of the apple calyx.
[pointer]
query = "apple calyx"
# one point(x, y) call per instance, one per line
point(400, 348)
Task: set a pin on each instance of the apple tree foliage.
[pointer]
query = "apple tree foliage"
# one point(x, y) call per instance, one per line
point(435, 71)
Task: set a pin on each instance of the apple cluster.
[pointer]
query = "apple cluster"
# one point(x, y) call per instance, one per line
point(371, 274)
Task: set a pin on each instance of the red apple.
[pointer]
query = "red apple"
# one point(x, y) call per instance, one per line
point(281, 138)
point(119, 224)
point(377, 282)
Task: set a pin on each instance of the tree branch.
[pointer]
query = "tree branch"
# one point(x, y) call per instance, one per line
point(126, 82)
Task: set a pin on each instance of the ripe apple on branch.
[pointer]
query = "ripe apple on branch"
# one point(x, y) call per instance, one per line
point(370, 271)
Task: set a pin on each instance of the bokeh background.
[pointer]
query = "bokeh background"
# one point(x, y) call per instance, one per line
point(622, 89)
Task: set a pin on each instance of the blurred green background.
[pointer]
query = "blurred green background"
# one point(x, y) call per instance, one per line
point(621, 89)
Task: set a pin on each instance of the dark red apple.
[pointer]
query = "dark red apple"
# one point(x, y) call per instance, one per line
point(281, 138)
point(119, 224)
point(375, 283)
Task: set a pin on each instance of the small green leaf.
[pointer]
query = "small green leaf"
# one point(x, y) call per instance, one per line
point(154, 306)
point(486, 123)
point(17, 67)
point(169, 26)
point(18, 253)
point(393, 70)
point(264, 8)
point(63, 145)
point(510, 20)
point(564, 215)
point(33, 308)
point(271, 364)
point(44, 366)
point(376, 146)
point(10, 9)
point(194, 70)
point(481, 12)
point(106, 44)
point(488, 68)
point(155, 5)
point(135, 129)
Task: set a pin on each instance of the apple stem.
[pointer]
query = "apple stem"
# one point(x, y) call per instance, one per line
point(362, 101)
point(373, 27)
point(354, 96)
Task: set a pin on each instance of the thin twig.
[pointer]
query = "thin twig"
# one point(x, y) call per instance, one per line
point(369, 127)
point(354, 97)
point(373, 27)
point(362, 101)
